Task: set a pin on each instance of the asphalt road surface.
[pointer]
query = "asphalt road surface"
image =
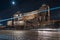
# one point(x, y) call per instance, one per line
point(29, 35)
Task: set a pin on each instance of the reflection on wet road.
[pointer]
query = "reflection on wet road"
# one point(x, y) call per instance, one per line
point(46, 35)
point(29, 35)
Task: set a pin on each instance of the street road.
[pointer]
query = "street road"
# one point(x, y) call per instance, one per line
point(29, 35)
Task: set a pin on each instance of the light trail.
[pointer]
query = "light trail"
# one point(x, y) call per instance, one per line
point(8, 19)
point(18, 17)
point(51, 9)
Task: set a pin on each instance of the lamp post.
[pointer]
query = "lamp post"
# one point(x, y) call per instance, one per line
point(48, 13)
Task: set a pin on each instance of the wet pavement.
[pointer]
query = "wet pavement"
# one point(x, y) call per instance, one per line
point(29, 35)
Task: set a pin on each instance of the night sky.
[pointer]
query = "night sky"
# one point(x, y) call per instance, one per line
point(7, 9)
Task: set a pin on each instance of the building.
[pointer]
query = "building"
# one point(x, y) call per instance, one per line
point(44, 15)
point(34, 19)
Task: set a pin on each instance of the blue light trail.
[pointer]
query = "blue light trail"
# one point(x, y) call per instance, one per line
point(18, 17)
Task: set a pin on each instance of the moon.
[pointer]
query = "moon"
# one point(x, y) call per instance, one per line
point(13, 2)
